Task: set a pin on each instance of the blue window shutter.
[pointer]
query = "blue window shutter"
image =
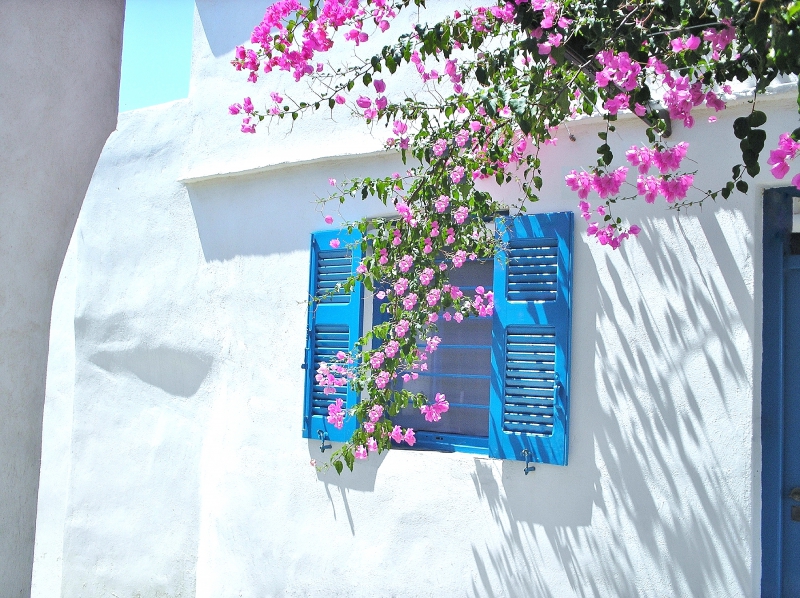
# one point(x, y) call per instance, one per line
point(531, 331)
point(334, 324)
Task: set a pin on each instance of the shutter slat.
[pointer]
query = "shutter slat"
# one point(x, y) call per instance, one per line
point(529, 399)
point(333, 268)
point(334, 324)
point(529, 348)
point(533, 270)
point(328, 341)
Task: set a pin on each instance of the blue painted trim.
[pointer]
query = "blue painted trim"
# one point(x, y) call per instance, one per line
point(466, 376)
point(510, 437)
point(791, 262)
point(777, 226)
point(349, 313)
point(448, 443)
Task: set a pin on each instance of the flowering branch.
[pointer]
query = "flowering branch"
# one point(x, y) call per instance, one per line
point(498, 83)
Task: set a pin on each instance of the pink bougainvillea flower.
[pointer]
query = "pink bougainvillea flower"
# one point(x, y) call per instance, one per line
point(391, 348)
point(439, 147)
point(405, 263)
point(410, 301)
point(401, 329)
point(372, 445)
point(396, 434)
point(335, 243)
point(328, 219)
point(336, 414)
point(360, 452)
point(382, 380)
point(580, 182)
point(380, 85)
point(409, 437)
point(376, 360)
point(339, 99)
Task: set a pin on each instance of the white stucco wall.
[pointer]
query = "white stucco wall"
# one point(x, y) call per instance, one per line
point(188, 474)
point(59, 82)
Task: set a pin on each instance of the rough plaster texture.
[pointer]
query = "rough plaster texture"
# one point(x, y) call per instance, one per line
point(59, 81)
point(188, 475)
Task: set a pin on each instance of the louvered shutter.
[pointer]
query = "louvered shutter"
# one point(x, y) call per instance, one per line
point(334, 324)
point(531, 331)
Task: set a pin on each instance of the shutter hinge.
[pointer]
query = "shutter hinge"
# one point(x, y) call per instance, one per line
point(528, 467)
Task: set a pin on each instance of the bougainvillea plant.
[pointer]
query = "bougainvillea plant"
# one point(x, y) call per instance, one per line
point(497, 83)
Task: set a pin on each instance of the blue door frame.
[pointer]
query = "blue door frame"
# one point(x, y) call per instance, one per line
point(780, 399)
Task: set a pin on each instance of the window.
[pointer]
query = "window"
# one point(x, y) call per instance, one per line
point(506, 378)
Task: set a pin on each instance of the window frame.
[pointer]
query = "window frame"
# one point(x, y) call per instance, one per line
point(504, 439)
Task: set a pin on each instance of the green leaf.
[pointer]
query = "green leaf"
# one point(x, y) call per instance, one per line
point(757, 137)
point(481, 76)
point(391, 64)
point(337, 465)
point(757, 118)
point(366, 79)
point(742, 186)
point(741, 127)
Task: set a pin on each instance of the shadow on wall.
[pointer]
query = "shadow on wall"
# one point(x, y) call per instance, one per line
point(176, 372)
point(649, 505)
point(362, 481)
point(229, 23)
point(274, 212)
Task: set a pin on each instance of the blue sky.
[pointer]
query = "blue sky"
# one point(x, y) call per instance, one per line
point(156, 52)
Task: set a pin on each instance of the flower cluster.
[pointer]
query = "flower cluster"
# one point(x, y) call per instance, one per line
point(605, 234)
point(498, 82)
point(433, 413)
point(779, 158)
point(604, 183)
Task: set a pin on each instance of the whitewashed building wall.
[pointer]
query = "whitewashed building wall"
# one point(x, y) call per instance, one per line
point(188, 475)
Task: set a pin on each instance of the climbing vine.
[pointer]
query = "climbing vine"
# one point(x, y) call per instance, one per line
point(497, 83)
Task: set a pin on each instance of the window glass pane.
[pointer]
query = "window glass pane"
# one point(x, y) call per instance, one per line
point(458, 420)
point(460, 368)
point(470, 332)
point(473, 274)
